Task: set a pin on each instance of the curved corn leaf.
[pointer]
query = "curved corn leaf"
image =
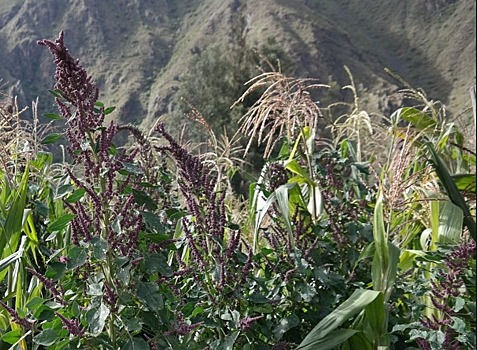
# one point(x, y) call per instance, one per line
point(326, 334)
point(452, 191)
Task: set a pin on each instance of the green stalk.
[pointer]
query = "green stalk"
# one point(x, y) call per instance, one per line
point(108, 267)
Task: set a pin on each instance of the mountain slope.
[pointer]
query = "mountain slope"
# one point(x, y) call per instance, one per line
point(139, 51)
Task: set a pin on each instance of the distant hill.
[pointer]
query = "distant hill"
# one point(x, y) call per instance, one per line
point(139, 52)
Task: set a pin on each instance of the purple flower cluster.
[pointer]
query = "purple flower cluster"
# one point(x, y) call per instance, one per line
point(91, 147)
point(211, 245)
point(444, 290)
point(16, 318)
point(182, 327)
point(247, 322)
point(56, 292)
point(76, 89)
point(72, 326)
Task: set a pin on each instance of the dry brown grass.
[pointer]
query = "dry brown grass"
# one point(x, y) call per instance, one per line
point(284, 110)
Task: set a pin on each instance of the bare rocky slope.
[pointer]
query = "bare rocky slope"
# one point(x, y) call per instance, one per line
point(139, 51)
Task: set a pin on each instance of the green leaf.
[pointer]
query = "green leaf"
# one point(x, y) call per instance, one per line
point(376, 317)
point(56, 93)
point(157, 263)
point(109, 110)
point(77, 257)
point(51, 138)
point(281, 194)
point(133, 325)
point(326, 335)
point(229, 341)
point(452, 190)
point(407, 258)
point(152, 221)
point(100, 248)
point(135, 343)
point(381, 258)
point(418, 118)
point(76, 195)
point(46, 338)
point(285, 325)
point(148, 292)
point(358, 341)
point(465, 182)
point(55, 270)
point(96, 318)
point(330, 341)
point(11, 337)
point(451, 218)
point(15, 219)
point(142, 198)
point(130, 168)
point(34, 304)
point(60, 223)
point(52, 116)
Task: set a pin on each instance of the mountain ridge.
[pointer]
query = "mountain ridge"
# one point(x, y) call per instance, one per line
point(138, 51)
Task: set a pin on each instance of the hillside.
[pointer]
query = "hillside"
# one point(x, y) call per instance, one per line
point(140, 52)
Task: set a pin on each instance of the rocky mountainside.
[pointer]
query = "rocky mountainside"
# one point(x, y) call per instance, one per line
point(140, 51)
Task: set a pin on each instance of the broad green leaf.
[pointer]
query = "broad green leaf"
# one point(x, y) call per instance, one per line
point(451, 218)
point(452, 191)
point(55, 270)
point(419, 119)
point(109, 110)
point(60, 223)
point(77, 257)
point(376, 318)
point(465, 182)
point(285, 325)
point(281, 194)
point(295, 168)
point(229, 341)
point(133, 325)
point(47, 337)
point(51, 138)
point(381, 258)
point(318, 337)
point(100, 248)
point(96, 318)
point(152, 222)
point(157, 263)
point(9, 260)
point(15, 218)
point(135, 343)
point(149, 293)
point(35, 303)
point(142, 198)
point(358, 341)
point(379, 231)
point(259, 209)
point(407, 258)
point(76, 195)
point(330, 341)
point(11, 337)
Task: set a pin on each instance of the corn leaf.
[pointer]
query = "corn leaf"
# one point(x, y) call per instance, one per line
point(326, 334)
point(452, 191)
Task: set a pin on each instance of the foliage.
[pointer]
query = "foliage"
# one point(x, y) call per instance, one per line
point(141, 247)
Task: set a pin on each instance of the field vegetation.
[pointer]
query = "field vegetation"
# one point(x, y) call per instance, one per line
point(358, 231)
